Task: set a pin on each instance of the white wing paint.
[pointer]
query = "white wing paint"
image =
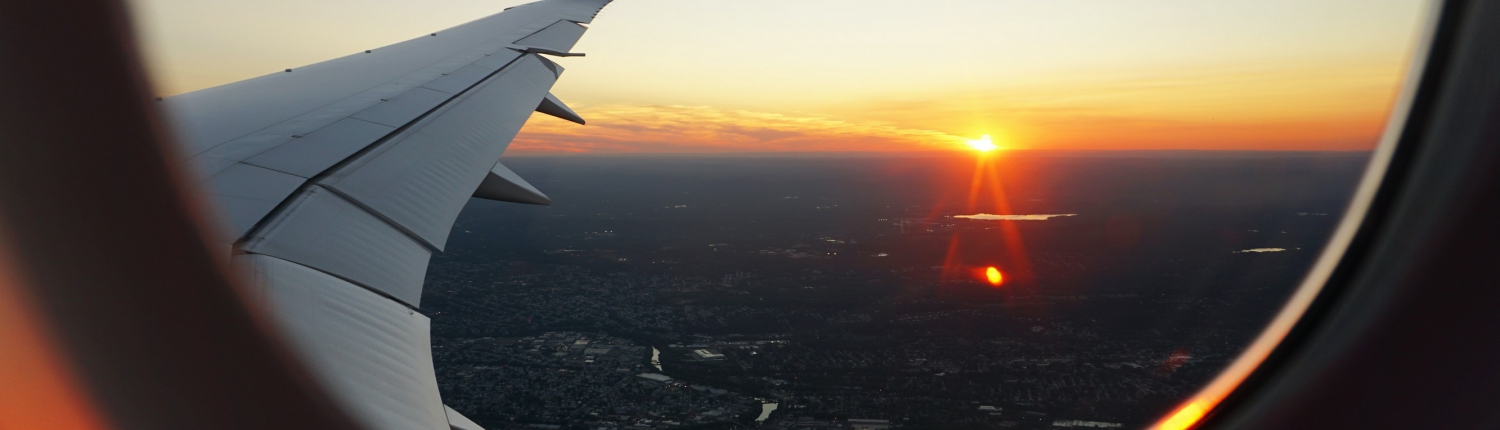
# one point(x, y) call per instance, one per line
point(338, 180)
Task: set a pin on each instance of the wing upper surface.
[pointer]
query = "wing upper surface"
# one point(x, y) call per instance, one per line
point(269, 116)
point(338, 181)
point(211, 117)
point(422, 179)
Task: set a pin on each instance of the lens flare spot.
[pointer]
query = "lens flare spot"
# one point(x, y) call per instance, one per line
point(983, 144)
point(994, 276)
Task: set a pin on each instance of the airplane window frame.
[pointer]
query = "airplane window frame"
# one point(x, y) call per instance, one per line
point(1424, 221)
point(1428, 139)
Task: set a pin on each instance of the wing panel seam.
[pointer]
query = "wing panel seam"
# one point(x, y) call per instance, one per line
point(382, 294)
point(390, 222)
point(495, 41)
point(393, 135)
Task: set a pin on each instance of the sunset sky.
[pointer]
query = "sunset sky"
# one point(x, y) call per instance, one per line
point(879, 75)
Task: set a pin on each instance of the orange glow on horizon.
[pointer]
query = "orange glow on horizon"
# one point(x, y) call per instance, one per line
point(994, 276)
point(636, 128)
point(1278, 107)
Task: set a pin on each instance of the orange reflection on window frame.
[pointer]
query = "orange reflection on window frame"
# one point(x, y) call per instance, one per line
point(38, 386)
point(1187, 416)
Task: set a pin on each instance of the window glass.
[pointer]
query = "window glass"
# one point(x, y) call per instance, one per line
point(877, 214)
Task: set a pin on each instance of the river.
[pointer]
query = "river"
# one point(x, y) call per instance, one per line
point(765, 408)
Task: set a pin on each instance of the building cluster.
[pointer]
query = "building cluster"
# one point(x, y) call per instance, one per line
point(525, 344)
point(568, 380)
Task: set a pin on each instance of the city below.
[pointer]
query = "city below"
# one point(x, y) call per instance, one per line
point(866, 292)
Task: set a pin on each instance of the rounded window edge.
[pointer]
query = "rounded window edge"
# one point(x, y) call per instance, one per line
point(1343, 249)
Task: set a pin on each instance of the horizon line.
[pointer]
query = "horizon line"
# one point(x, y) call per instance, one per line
point(950, 153)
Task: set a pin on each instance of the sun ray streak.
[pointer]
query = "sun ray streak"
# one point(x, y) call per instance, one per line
point(976, 184)
point(1010, 233)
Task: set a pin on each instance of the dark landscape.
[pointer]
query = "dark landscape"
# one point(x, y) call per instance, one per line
point(843, 290)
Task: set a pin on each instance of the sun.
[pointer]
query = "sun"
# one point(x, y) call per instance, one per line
point(983, 144)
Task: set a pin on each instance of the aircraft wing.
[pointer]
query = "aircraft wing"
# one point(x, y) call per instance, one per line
point(338, 180)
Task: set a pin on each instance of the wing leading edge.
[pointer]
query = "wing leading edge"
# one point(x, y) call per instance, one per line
point(338, 180)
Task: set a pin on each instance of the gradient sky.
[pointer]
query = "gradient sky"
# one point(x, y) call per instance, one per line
point(881, 75)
